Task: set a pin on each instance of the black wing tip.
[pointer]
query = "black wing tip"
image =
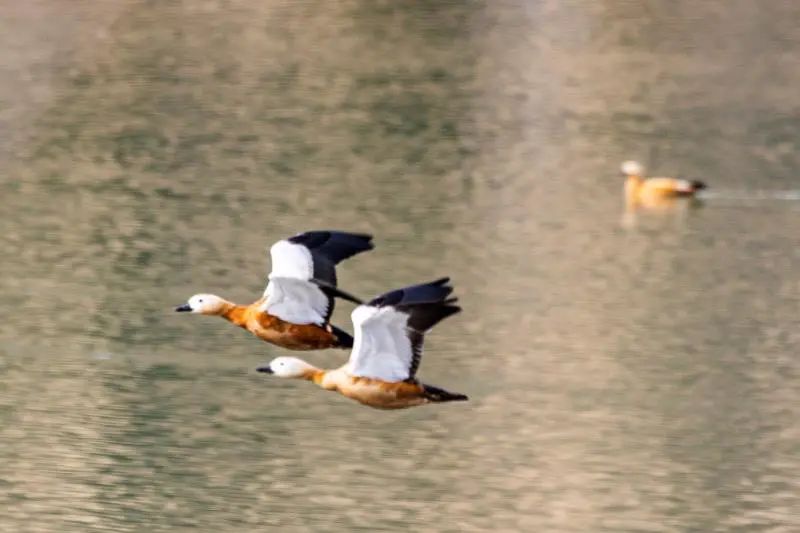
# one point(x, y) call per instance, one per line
point(352, 234)
point(366, 237)
point(452, 309)
point(355, 239)
point(432, 292)
point(314, 235)
point(335, 246)
point(335, 292)
point(344, 340)
point(698, 185)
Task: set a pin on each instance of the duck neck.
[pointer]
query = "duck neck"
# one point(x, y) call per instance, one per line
point(632, 184)
point(314, 375)
point(237, 314)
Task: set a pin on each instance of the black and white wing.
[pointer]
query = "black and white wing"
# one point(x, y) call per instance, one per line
point(389, 330)
point(302, 284)
point(322, 251)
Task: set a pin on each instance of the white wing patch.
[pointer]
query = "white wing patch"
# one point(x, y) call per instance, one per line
point(295, 300)
point(291, 261)
point(381, 348)
point(684, 186)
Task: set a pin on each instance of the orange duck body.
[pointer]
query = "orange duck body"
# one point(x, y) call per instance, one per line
point(368, 391)
point(655, 192)
point(272, 329)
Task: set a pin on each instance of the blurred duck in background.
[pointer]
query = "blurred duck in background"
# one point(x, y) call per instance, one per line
point(654, 192)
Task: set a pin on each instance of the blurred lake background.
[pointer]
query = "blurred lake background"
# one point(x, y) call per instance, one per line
point(622, 378)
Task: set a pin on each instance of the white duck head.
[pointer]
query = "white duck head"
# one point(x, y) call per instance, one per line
point(632, 168)
point(203, 304)
point(287, 367)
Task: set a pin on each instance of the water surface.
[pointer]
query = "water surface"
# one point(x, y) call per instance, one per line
point(637, 377)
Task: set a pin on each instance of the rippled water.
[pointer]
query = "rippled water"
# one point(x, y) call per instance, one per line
point(623, 377)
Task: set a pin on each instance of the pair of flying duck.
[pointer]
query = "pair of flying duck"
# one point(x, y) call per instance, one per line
point(295, 313)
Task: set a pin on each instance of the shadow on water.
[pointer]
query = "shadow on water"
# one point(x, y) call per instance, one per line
point(620, 379)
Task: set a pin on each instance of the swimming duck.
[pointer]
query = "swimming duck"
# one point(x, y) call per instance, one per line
point(296, 307)
point(389, 332)
point(654, 191)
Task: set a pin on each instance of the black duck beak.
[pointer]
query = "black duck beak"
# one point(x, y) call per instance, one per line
point(266, 369)
point(183, 308)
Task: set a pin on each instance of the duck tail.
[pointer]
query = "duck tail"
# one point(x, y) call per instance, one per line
point(344, 339)
point(698, 185)
point(437, 395)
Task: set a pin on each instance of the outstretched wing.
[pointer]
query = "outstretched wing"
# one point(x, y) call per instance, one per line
point(389, 330)
point(296, 301)
point(302, 284)
point(315, 254)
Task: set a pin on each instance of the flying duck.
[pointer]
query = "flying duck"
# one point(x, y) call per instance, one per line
point(654, 191)
point(389, 332)
point(296, 307)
